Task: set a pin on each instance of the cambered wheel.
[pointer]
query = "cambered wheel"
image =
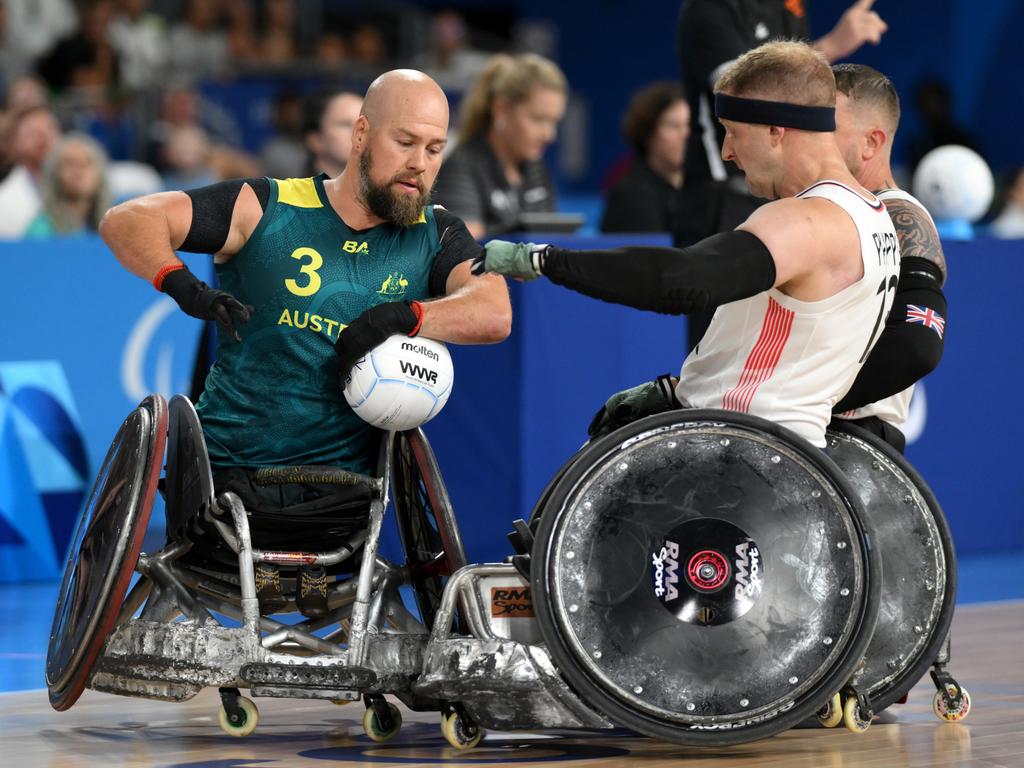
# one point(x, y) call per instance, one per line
point(944, 710)
point(104, 550)
point(702, 518)
point(375, 730)
point(853, 717)
point(918, 585)
point(458, 733)
point(426, 523)
point(244, 722)
point(831, 714)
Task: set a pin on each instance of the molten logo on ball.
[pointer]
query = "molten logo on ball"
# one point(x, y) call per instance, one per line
point(393, 388)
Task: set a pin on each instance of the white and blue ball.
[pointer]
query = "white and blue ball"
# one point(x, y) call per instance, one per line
point(401, 384)
point(954, 183)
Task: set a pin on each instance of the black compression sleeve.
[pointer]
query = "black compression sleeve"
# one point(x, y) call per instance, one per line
point(457, 246)
point(212, 207)
point(905, 351)
point(719, 269)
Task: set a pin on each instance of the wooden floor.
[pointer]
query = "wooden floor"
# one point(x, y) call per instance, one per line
point(103, 730)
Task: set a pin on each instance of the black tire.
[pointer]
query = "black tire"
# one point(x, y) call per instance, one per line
point(901, 685)
point(604, 699)
point(426, 522)
point(104, 551)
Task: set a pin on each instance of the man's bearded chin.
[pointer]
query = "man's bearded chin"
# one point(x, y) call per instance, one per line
point(403, 210)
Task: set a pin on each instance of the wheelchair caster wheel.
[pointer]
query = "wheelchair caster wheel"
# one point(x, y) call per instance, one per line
point(373, 727)
point(244, 722)
point(944, 709)
point(831, 714)
point(459, 733)
point(853, 717)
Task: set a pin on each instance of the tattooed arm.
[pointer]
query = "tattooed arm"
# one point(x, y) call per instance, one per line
point(906, 351)
point(916, 233)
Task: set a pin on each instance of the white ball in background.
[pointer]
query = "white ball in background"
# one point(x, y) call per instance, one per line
point(401, 384)
point(954, 183)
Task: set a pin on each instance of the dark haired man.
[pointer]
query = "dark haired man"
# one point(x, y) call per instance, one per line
point(867, 115)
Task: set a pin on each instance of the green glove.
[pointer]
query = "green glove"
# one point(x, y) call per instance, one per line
point(519, 260)
point(631, 404)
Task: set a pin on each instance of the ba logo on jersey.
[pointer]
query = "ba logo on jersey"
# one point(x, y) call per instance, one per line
point(354, 246)
point(394, 285)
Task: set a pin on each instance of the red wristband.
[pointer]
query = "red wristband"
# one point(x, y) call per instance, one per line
point(417, 309)
point(158, 281)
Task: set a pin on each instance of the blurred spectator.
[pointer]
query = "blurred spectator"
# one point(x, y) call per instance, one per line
point(331, 49)
point(509, 118)
point(24, 93)
point(198, 45)
point(1010, 221)
point(284, 155)
point(186, 159)
point(450, 60)
point(74, 188)
point(140, 39)
point(328, 121)
point(33, 134)
point(86, 58)
point(30, 30)
point(128, 179)
point(230, 163)
point(277, 42)
point(938, 128)
point(367, 46)
point(656, 125)
point(181, 108)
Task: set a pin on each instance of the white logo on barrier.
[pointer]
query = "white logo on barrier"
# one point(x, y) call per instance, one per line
point(666, 563)
point(133, 359)
point(917, 418)
point(748, 571)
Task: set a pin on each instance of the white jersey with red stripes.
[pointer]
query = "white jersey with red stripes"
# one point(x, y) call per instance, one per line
point(894, 409)
point(790, 361)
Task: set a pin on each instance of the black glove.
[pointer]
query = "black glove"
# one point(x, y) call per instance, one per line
point(371, 328)
point(198, 299)
point(630, 405)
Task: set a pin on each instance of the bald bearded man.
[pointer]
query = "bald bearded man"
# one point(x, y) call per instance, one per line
point(314, 273)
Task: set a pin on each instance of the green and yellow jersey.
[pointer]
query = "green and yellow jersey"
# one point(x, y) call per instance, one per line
point(274, 398)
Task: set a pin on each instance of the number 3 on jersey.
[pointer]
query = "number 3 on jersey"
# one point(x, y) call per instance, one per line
point(883, 311)
point(312, 283)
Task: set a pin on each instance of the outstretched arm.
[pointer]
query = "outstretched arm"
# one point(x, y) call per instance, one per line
point(717, 270)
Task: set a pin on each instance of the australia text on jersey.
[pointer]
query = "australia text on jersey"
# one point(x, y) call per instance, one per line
point(308, 282)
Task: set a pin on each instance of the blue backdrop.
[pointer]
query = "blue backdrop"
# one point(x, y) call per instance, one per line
point(77, 356)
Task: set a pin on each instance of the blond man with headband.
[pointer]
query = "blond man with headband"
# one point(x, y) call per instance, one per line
point(508, 119)
point(867, 115)
point(802, 286)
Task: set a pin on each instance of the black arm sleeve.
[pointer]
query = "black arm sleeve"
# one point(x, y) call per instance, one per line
point(905, 352)
point(457, 246)
point(719, 269)
point(212, 207)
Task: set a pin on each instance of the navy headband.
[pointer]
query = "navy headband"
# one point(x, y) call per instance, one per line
point(779, 113)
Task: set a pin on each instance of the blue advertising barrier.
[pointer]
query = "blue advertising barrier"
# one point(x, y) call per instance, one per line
point(76, 357)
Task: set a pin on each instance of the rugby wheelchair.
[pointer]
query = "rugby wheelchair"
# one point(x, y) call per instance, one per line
point(702, 577)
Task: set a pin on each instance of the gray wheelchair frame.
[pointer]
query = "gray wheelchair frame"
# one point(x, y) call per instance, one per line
point(457, 657)
point(168, 641)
